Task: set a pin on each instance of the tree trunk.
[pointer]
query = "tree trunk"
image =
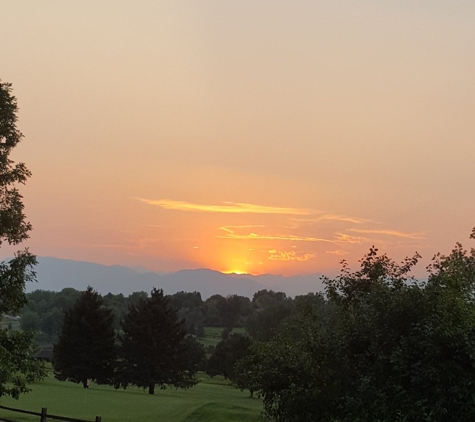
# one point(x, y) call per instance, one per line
point(151, 388)
point(84, 383)
point(252, 393)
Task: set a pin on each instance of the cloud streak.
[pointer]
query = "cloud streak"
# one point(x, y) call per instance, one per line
point(289, 256)
point(225, 207)
point(230, 234)
point(391, 233)
point(333, 217)
point(338, 252)
point(347, 238)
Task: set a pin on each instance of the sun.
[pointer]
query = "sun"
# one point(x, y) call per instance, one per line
point(238, 272)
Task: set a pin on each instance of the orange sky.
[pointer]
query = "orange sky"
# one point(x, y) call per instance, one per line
point(262, 137)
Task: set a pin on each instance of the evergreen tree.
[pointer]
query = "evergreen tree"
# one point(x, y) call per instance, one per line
point(154, 348)
point(17, 368)
point(86, 348)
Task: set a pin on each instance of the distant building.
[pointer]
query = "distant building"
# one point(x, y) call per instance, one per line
point(44, 353)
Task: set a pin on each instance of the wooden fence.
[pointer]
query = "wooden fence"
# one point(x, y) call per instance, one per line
point(44, 416)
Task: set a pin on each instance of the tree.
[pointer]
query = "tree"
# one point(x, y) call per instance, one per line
point(153, 346)
point(246, 370)
point(195, 355)
point(231, 309)
point(226, 354)
point(86, 347)
point(384, 347)
point(30, 321)
point(262, 324)
point(264, 298)
point(17, 368)
point(190, 307)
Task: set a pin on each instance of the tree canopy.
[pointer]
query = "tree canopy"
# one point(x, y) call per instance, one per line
point(226, 354)
point(17, 368)
point(383, 347)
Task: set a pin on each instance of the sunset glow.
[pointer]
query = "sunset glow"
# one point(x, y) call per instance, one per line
point(245, 137)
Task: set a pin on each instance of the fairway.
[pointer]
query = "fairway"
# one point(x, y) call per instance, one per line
point(207, 401)
point(213, 335)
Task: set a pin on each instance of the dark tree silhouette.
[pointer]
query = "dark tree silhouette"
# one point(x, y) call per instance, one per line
point(154, 348)
point(86, 348)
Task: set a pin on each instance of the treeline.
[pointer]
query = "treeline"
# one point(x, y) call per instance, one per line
point(260, 316)
point(154, 345)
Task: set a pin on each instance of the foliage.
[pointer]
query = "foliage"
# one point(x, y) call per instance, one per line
point(153, 346)
point(44, 311)
point(17, 368)
point(30, 321)
point(247, 371)
point(288, 373)
point(226, 354)
point(190, 307)
point(195, 355)
point(384, 347)
point(50, 307)
point(227, 311)
point(231, 309)
point(86, 347)
point(262, 324)
point(264, 298)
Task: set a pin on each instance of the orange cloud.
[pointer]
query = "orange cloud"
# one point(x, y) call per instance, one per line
point(226, 207)
point(391, 233)
point(289, 256)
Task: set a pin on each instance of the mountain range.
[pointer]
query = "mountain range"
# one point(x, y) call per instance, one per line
point(56, 274)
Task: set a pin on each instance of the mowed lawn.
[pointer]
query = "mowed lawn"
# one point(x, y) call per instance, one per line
point(213, 335)
point(207, 401)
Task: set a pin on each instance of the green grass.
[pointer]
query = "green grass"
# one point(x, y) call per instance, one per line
point(213, 335)
point(210, 400)
point(216, 331)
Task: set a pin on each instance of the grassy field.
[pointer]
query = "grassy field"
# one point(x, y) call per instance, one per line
point(210, 400)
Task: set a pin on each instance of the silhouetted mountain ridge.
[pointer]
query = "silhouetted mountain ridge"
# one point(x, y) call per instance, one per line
point(56, 274)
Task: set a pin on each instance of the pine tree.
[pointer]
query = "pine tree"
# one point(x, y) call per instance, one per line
point(17, 368)
point(86, 348)
point(153, 346)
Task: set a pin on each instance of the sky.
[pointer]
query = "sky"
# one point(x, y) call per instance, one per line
point(244, 136)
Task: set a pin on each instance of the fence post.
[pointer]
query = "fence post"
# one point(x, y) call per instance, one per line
point(98, 419)
point(44, 413)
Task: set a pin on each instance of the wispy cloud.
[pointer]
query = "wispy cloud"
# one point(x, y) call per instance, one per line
point(231, 229)
point(230, 234)
point(225, 207)
point(333, 217)
point(395, 233)
point(289, 256)
point(338, 252)
point(347, 238)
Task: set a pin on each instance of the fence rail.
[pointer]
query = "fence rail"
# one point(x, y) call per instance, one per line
point(44, 416)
